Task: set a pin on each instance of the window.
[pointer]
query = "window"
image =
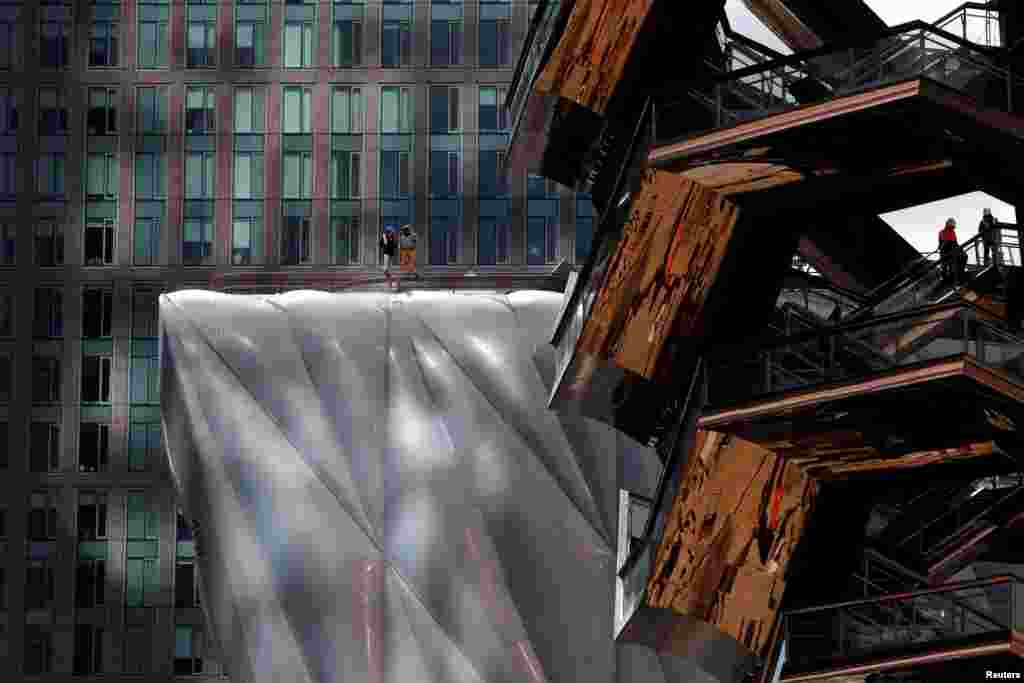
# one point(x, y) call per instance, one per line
point(6, 315)
point(143, 445)
point(248, 175)
point(149, 175)
point(103, 43)
point(8, 42)
point(396, 42)
point(297, 110)
point(8, 175)
point(152, 36)
point(39, 652)
point(345, 240)
point(53, 112)
point(444, 239)
point(348, 38)
point(144, 313)
point(585, 216)
point(96, 379)
point(96, 303)
point(296, 240)
point(347, 110)
point(495, 240)
point(246, 241)
point(92, 516)
point(495, 34)
point(142, 577)
point(493, 179)
point(49, 313)
point(249, 42)
point(42, 517)
point(8, 111)
point(102, 116)
point(345, 175)
point(493, 115)
point(444, 109)
point(50, 175)
point(46, 377)
point(197, 248)
point(102, 176)
point(49, 244)
point(188, 651)
point(151, 107)
point(395, 171)
point(137, 650)
point(298, 175)
point(395, 110)
point(8, 243)
point(147, 241)
point(99, 243)
point(88, 650)
point(93, 447)
point(3, 587)
point(199, 170)
point(5, 397)
point(202, 36)
point(539, 187)
point(249, 110)
point(445, 37)
point(445, 174)
point(145, 372)
point(53, 44)
point(298, 44)
point(542, 240)
point(44, 450)
point(186, 586)
point(199, 110)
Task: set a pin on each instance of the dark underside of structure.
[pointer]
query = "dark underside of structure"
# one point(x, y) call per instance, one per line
point(826, 400)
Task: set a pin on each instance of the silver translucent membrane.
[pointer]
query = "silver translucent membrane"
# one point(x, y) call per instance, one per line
point(382, 494)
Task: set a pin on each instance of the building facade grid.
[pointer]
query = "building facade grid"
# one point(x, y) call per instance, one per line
point(150, 146)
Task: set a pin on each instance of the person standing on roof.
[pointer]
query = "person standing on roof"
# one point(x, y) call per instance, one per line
point(388, 247)
point(989, 231)
point(949, 249)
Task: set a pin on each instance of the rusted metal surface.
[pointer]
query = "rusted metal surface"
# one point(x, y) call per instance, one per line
point(731, 532)
point(658, 282)
point(589, 60)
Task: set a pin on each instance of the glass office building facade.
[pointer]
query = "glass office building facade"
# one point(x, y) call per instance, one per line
point(149, 146)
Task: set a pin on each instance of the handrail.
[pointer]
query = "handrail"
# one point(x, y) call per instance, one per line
point(666, 473)
point(799, 58)
point(966, 6)
point(898, 569)
point(893, 597)
point(880, 293)
point(838, 330)
point(600, 229)
point(531, 31)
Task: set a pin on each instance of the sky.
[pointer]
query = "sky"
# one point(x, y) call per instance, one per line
point(919, 225)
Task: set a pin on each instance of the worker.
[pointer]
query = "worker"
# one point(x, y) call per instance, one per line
point(388, 247)
point(949, 252)
point(989, 230)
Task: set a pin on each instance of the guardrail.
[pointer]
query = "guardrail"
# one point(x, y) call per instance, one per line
point(846, 352)
point(761, 87)
point(828, 637)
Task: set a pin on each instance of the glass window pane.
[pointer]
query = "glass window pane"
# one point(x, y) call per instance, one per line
point(243, 111)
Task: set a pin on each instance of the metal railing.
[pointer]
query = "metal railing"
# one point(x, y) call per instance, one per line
point(754, 87)
point(838, 354)
point(826, 637)
point(921, 281)
point(974, 22)
point(934, 539)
